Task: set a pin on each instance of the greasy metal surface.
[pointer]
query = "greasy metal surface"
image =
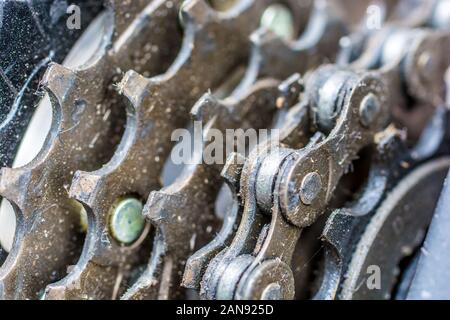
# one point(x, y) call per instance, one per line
point(293, 130)
point(326, 39)
point(95, 219)
point(261, 65)
point(344, 225)
point(196, 264)
point(331, 157)
point(178, 211)
point(231, 173)
point(401, 54)
point(304, 195)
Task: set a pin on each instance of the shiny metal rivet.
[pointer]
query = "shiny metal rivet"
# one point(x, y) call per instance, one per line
point(369, 109)
point(126, 220)
point(272, 292)
point(310, 188)
point(279, 19)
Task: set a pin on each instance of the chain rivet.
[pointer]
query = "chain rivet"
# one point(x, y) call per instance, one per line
point(272, 292)
point(369, 109)
point(310, 188)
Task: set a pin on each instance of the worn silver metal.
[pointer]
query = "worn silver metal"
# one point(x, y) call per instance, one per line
point(369, 110)
point(310, 187)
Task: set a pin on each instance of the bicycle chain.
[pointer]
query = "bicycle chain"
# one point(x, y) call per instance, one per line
point(225, 277)
point(290, 186)
point(168, 208)
point(197, 262)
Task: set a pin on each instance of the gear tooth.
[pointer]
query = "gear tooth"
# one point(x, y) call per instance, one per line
point(257, 36)
point(133, 87)
point(262, 36)
point(232, 170)
point(195, 266)
point(13, 182)
point(157, 206)
point(189, 276)
point(333, 226)
point(58, 81)
point(54, 292)
point(196, 11)
point(68, 288)
point(289, 91)
point(205, 107)
point(84, 186)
